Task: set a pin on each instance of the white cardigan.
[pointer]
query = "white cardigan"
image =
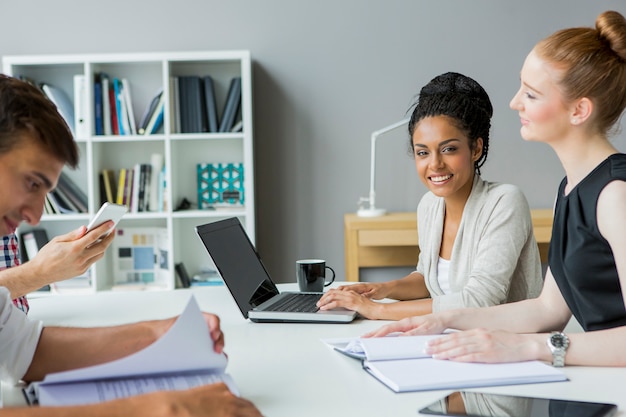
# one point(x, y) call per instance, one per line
point(495, 258)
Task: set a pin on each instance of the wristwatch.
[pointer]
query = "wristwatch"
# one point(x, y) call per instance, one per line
point(558, 343)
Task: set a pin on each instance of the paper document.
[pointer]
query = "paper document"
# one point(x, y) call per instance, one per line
point(383, 348)
point(182, 358)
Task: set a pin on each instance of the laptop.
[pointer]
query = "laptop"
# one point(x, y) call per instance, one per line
point(256, 295)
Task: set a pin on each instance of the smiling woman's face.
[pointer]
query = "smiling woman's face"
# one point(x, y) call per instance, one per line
point(443, 157)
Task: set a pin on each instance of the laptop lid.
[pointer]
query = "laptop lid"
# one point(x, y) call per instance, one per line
point(238, 263)
point(243, 272)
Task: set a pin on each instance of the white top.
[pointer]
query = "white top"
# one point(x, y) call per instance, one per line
point(18, 339)
point(443, 269)
point(495, 258)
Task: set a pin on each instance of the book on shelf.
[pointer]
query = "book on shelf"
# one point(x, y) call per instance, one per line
point(72, 192)
point(423, 373)
point(141, 178)
point(115, 126)
point(143, 371)
point(62, 102)
point(60, 204)
point(109, 186)
point(128, 103)
point(192, 104)
point(31, 242)
point(175, 103)
point(121, 186)
point(106, 104)
point(81, 130)
point(128, 186)
point(156, 162)
point(232, 105)
point(210, 104)
point(122, 121)
point(97, 105)
point(149, 112)
point(156, 120)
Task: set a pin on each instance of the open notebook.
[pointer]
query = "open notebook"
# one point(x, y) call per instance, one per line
point(258, 298)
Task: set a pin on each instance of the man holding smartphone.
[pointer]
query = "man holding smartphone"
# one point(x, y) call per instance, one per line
point(35, 144)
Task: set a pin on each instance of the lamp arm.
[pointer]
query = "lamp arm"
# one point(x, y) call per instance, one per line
point(375, 135)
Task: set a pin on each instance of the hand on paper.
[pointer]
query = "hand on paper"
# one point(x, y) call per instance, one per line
point(481, 345)
point(210, 400)
point(336, 298)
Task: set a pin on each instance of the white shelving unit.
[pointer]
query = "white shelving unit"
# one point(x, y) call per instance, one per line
point(147, 72)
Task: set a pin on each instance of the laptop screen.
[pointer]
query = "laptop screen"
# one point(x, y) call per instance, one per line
point(237, 262)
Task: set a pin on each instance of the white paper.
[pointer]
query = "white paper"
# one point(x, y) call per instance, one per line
point(182, 355)
point(383, 348)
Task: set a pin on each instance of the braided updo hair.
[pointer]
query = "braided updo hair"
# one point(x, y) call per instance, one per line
point(463, 100)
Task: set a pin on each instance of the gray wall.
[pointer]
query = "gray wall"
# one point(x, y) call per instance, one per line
point(326, 74)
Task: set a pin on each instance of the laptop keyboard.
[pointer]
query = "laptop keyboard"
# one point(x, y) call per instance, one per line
point(300, 303)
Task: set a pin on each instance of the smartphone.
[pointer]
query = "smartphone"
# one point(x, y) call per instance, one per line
point(108, 211)
point(478, 404)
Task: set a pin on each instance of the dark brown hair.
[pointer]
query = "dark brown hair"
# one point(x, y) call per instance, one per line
point(26, 112)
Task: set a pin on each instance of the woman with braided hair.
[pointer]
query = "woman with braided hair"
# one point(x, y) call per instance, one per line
point(476, 240)
point(572, 95)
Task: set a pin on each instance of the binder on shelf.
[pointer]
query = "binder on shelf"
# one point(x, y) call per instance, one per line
point(210, 104)
point(231, 108)
point(63, 103)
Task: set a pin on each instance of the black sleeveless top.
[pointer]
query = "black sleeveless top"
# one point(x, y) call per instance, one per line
point(580, 259)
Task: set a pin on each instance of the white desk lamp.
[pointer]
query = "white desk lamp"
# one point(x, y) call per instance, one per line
point(372, 211)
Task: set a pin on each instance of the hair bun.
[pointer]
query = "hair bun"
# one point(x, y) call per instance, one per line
point(611, 27)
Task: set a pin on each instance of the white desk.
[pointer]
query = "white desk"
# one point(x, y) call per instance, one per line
point(285, 369)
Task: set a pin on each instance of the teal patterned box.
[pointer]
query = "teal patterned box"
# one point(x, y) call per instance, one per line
point(220, 184)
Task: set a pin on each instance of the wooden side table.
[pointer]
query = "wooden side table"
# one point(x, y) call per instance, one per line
point(391, 240)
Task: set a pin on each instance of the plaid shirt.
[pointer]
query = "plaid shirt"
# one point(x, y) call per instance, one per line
point(10, 257)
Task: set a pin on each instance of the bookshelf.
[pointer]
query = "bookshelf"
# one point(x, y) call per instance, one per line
point(146, 74)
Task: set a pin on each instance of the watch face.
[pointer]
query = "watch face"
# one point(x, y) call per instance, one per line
point(558, 341)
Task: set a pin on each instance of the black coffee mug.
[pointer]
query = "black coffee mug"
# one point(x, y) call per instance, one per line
point(311, 275)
